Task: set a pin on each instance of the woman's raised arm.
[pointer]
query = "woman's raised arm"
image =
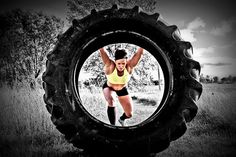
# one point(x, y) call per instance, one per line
point(136, 57)
point(106, 60)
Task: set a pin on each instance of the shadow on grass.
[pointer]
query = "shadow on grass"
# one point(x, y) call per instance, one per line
point(144, 101)
point(37, 146)
point(30, 146)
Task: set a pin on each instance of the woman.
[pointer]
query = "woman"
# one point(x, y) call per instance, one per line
point(118, 73)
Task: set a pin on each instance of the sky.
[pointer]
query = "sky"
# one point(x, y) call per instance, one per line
point(207, 24)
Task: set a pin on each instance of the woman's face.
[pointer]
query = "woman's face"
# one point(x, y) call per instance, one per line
point(121, 64)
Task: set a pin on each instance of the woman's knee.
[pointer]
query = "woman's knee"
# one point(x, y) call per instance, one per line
point(110, 101)
point(129, 114)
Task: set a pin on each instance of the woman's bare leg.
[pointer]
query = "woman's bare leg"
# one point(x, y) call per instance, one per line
point(111, 111)
point(127, 105)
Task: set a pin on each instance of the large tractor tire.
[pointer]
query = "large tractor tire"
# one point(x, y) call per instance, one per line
point(119, 25)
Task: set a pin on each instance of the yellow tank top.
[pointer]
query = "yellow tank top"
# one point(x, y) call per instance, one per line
point(113, 78)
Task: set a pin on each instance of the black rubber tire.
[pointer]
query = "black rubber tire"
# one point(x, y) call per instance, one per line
point(119, 25)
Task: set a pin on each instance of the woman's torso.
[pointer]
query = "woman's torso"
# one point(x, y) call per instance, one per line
point(118, 86)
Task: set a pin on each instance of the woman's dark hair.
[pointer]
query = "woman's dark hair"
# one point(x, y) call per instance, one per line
point(120, 54)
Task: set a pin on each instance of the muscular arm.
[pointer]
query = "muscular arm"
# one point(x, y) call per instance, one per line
point(106, 60)
point(136, 57)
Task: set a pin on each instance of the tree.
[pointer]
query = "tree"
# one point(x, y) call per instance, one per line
point(234, 79)
point(224, 80)
point(215, 79)
point(230, 79)
point(202, 78)
point(80, 8)
point(25, 39)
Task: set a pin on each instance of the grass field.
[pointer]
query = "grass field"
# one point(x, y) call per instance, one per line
point(26, 129)
point(145, 102)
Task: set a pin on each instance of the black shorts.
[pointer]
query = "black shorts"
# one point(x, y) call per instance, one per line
point(121, 92)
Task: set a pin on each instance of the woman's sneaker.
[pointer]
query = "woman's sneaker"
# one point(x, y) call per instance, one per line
point(122, 122)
